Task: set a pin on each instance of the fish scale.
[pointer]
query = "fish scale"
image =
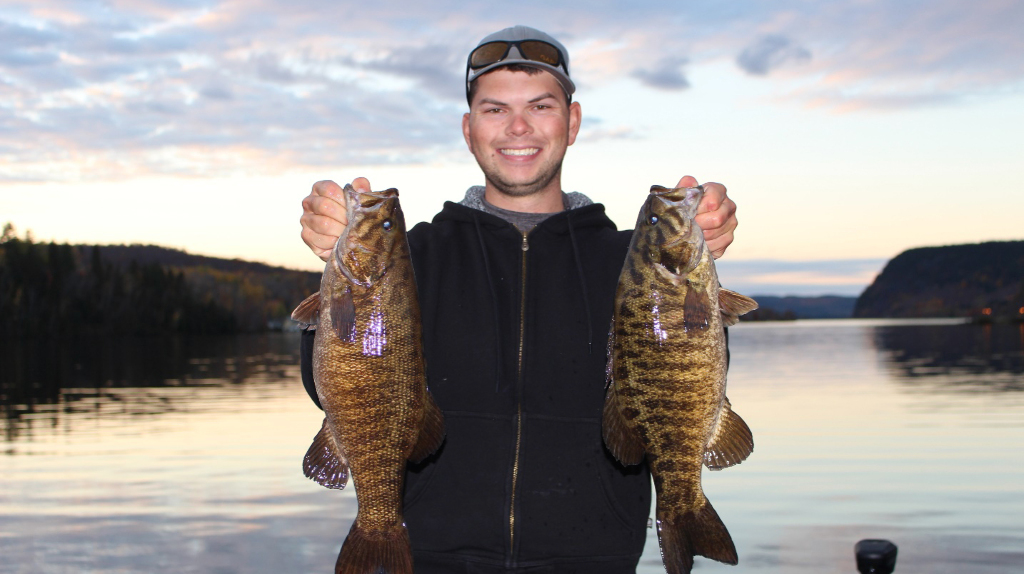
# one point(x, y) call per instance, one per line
point(667, 370)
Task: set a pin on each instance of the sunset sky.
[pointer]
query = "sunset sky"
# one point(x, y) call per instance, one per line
point(846, 131)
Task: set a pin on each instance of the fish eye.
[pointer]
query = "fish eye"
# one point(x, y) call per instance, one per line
point(652, 219)
point(387, 225)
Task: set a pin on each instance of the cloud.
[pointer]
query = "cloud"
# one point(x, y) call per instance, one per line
point(121, 84)
point(667, 74)
point(768, 53)
point(824, 277)
point(18, 36)
point(431, 67)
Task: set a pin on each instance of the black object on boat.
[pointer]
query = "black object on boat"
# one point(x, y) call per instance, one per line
point(875, 556)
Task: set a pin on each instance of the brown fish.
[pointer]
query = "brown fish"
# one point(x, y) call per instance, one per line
point(370, 378)
point(667, 366)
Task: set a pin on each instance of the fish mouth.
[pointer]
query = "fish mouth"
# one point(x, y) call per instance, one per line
point(685, 198)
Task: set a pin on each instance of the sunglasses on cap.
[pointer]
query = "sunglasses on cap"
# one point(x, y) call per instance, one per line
point(534, 50)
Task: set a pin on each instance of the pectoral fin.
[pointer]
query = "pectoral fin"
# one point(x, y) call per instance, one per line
point(733, 305)
point(343, 315)
point(325, 462)
point(696, 309)
point(731, 442)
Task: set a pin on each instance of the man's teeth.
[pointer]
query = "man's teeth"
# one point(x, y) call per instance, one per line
point(527, 151)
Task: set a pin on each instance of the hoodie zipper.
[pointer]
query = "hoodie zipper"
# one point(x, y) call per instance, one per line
point(519, 405)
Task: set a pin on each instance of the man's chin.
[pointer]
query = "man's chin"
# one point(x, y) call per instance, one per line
point(522, 188)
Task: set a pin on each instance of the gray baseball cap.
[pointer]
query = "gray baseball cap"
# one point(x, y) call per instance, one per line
point(520, 45)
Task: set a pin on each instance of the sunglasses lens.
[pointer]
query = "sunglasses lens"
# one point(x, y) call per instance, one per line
point(540, 52)
point(534, 50)
point(488, 54)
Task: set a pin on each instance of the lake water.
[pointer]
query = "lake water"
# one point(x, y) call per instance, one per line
point(184, 455)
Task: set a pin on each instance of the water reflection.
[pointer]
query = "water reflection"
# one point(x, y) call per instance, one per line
point(89, 378)
point(955, 358)
point(145, 455)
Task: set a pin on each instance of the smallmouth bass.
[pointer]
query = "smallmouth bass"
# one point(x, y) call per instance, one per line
point(667, 374)
point(370, 377)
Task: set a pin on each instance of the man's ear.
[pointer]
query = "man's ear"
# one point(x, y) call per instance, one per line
point(465, 130)
point(575, 117)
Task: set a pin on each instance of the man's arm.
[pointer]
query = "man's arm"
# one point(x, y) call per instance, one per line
point(716, 215)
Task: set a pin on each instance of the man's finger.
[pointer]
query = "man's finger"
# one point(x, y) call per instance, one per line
point(320, 245)
point(327, 207)
point(322, 224)
point(687, 181)
point(361, 184)
point(328, 188)
point(715, 197)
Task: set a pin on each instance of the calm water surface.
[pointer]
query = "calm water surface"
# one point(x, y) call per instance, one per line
point(184, 455)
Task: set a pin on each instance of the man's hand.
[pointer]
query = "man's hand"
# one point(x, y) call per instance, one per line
point(716, 215)
point(324, 215)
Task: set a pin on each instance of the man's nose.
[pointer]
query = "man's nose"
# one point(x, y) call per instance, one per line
point(518, 124)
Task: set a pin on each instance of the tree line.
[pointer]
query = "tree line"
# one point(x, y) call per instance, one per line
point(50, 288)
point(970, 280)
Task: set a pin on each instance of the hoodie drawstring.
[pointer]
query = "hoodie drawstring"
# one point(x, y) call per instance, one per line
point(583, 283)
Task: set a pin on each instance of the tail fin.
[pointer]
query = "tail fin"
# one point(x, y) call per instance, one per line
point(701, 533)
point(375, 552)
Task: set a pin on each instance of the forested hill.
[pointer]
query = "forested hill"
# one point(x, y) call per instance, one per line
point(122, 255)
point(976, 280)
point(50, 288)
point(773, 308)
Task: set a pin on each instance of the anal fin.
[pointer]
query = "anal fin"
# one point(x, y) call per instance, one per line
point(325, 462)
point(620, 435)
point(431, 431)
point(731, 442)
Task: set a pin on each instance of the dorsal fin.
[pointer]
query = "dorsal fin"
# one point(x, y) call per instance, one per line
point(308, 312)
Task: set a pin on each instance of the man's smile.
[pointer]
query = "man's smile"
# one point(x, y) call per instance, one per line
point(520, 152)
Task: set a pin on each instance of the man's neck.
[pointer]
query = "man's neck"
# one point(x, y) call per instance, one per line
point(545, 201)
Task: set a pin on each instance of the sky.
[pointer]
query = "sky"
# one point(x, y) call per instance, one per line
point(846, 131)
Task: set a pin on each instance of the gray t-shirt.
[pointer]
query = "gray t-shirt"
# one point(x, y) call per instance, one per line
point(523, 221)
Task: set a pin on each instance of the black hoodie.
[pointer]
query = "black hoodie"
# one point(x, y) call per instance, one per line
point(515, 331)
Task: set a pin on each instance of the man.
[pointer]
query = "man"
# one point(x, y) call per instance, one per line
point(516, 288)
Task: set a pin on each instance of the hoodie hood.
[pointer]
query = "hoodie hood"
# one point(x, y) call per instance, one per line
point(475, 199)
point(581, 212)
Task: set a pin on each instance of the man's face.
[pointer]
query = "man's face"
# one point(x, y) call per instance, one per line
point(518, 128)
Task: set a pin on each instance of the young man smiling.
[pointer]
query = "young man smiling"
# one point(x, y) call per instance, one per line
point(519, 127)
point(516, 286)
